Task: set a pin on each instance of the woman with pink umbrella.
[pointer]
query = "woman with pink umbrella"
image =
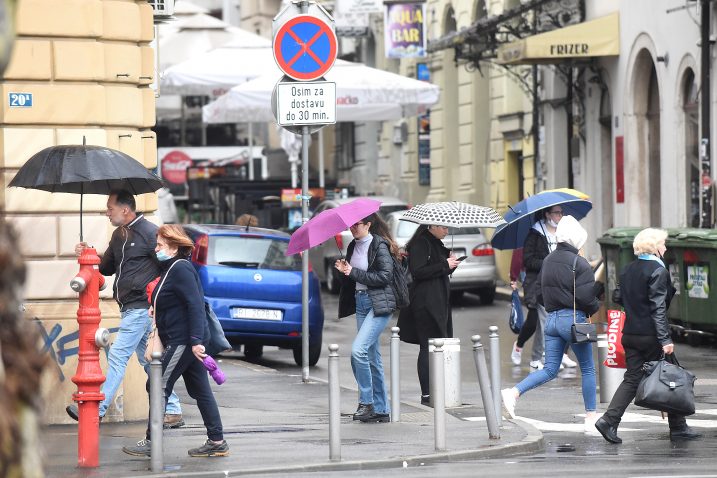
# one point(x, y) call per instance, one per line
point(366, 291)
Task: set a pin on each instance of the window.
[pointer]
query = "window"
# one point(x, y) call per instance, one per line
point(252, 252)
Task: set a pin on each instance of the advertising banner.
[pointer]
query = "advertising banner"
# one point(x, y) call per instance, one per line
point(404, 27)
point(615, 351)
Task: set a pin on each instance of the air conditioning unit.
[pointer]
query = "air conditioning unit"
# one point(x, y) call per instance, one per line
point(162, 8)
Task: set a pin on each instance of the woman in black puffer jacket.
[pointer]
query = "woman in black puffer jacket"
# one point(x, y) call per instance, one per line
point(366, 291)
point(566, 287)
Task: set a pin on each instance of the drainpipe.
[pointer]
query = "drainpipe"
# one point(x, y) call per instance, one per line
point(705, 114)
point(569, 107)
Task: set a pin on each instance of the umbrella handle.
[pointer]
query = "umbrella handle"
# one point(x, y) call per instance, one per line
point(337, 247)
point(81, 197)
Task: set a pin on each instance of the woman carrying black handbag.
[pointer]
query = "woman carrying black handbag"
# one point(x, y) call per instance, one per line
point(645, 291)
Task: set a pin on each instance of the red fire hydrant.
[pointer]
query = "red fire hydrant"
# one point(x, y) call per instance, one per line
point(88, 377)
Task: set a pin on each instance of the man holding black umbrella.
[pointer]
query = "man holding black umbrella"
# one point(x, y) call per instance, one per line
point(131, 257)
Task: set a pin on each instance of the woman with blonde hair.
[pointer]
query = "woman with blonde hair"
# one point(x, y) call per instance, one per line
point(181, 322)
point(645, 291)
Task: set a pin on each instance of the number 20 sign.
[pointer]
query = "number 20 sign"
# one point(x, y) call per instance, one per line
point(20, 100)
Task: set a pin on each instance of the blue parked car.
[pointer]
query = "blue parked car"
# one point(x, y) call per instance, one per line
point(255, 289)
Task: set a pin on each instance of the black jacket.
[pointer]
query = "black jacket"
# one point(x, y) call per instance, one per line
point(646, 292)
point(378, 279)
point(429, 312)
point(131, 257)
point(178, 302)
point(535, 250)
point(555, 282)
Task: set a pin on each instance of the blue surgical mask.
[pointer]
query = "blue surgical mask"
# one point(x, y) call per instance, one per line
point(163, 256)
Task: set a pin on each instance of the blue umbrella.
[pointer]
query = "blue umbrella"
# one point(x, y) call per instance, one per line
point(520, 218)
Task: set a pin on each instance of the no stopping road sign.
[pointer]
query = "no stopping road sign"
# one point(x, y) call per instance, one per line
point(305, 47)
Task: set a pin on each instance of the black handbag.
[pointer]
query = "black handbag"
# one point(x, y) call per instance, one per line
point(581, 333)
point(666, 387)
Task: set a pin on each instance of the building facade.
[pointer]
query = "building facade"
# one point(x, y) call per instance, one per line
point(87, 66)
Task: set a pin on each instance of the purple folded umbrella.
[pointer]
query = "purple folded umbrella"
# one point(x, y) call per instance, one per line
point(211, 365)
point(330, 222)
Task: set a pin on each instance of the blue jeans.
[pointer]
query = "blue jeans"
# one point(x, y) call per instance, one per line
point(557, 335)
point(135, 325)
point(366, 355)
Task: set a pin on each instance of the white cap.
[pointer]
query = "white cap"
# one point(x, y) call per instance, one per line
point(569, 230)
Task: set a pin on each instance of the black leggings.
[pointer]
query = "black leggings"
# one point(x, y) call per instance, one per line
point(528, 329)
point(422, 366)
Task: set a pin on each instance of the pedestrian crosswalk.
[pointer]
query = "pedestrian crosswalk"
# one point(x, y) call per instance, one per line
point(631, 421)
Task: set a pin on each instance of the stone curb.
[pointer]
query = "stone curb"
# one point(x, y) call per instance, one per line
point(533, 442)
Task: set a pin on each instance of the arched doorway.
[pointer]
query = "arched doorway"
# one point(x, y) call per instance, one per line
point(643, 155)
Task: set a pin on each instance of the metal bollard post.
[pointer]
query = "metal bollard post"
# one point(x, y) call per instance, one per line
point(485, 388)
point(395, 375)
point(156, 412)
point(438, 394)
point(495, 370)
point(334, 404)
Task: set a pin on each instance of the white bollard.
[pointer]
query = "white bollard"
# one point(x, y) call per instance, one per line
point(451, 371)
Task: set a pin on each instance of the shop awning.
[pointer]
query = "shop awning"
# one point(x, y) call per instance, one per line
point(599, 37)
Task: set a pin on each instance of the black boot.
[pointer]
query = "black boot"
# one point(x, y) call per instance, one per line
point(363, 412)
point(683, 433)
point(608, 432)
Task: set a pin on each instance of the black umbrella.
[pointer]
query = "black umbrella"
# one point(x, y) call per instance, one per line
point(82, 169)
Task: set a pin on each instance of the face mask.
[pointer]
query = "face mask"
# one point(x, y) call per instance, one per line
point(163, 256)
point(552, 223)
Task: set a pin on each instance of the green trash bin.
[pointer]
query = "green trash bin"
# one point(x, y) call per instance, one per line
point(617, 252)
point(696, 263)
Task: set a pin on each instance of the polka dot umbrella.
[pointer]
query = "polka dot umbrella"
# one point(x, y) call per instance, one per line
point(453, 214)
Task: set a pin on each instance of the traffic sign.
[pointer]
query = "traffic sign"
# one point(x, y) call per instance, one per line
point(305, 103)
point(305, 47)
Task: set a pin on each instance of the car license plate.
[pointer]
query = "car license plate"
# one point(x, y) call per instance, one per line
point(256, 314)
point(459, 252)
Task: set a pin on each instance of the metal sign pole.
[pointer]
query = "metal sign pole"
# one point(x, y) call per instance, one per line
point(305, 256)
point(304, 7)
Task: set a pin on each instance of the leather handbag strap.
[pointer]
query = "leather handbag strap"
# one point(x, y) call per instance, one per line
point(575, 261)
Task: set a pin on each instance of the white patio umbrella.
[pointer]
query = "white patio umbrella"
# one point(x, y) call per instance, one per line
point(362, 94)
point(216, 71)
point(197, 34)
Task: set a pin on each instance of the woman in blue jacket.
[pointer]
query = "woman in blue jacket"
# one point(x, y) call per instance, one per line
point(366, 291)
point(180, 318)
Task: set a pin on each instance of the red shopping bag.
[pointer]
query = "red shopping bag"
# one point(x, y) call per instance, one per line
point(615, 352)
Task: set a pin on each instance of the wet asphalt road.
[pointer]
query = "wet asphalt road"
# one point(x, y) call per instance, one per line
point(555, 408)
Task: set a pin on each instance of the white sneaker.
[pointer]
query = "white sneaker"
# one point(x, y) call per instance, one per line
point(536, 364)
point(508, 395)
point(568, 362)
point(516, 354)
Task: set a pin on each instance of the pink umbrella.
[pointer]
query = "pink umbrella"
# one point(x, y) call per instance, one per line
point(327, 224)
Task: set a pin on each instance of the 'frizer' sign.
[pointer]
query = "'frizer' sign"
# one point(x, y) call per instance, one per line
point(306, 103)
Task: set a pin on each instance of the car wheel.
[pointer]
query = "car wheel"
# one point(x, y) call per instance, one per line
point(456, 295)
point(332, 280)
point(253, 352)
point(314, 354)
point(487, 295)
